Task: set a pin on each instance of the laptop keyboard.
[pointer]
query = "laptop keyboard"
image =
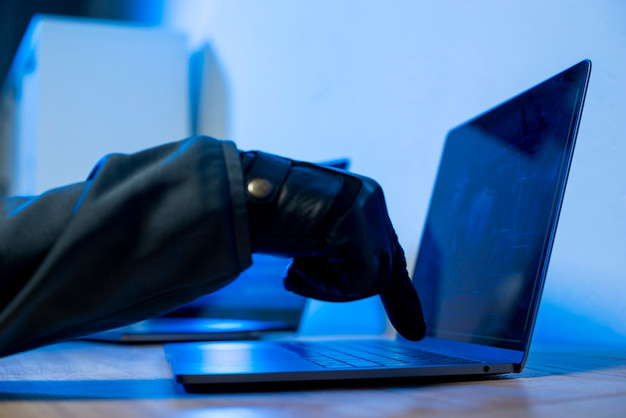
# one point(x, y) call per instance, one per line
point(368, 354)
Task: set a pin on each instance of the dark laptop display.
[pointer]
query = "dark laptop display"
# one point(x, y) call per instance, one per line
point(481, 264)
point(493, 213)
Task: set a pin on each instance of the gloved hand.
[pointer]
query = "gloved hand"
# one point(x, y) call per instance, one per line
point(336, 227)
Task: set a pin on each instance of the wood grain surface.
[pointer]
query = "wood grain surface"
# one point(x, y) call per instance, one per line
point(87, 379)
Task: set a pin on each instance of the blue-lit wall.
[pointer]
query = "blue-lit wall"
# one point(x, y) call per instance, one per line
point(382, 82)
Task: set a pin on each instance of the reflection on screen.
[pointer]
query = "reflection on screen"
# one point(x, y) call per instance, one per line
point(493, 212)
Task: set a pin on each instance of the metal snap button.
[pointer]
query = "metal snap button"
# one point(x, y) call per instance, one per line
point(259, 188)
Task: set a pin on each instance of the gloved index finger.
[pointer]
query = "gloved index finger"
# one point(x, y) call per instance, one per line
point(404, 309)
point(402, 303)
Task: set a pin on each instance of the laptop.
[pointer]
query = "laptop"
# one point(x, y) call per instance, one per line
point(249, 307)
point(480, 267)
point(253, 306)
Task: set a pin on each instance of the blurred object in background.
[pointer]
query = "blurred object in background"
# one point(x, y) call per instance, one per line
point(15, 16)
point(80, 88)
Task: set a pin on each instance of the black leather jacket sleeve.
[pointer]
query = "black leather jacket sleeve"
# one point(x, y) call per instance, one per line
point(143, 234)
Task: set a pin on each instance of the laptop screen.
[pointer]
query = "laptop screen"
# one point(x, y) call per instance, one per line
point(491, 222)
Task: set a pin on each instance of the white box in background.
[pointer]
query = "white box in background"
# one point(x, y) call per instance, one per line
point(79, 89)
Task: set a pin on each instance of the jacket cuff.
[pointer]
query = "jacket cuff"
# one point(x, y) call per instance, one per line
point(241, 226)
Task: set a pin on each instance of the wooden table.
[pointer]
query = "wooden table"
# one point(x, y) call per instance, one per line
point(86, 379)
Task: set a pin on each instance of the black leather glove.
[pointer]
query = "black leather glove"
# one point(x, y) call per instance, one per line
point(336, 227)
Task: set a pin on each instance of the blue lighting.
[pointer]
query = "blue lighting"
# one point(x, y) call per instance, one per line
point(382, 83)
